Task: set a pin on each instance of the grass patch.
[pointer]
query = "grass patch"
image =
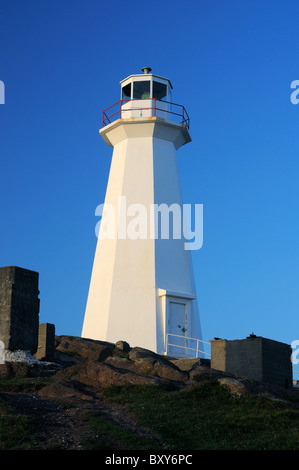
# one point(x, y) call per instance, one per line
point(23, 384)
point(15, 431)
point(111, 436)
point(208, 417)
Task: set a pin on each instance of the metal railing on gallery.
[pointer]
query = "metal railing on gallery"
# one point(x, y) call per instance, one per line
point(156, 107)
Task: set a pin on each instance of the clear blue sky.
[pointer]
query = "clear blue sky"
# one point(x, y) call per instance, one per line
point(231, 64)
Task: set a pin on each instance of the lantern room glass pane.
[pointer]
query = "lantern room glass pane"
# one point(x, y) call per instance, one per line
point(141, 90)
point(126, 92)
point(159, 90)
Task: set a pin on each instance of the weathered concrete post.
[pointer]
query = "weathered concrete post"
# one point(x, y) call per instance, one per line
point(19, 308)
point(46, 342)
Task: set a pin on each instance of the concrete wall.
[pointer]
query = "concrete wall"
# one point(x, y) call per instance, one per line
point(260, 359)
point(277, 365)
point(19, 308)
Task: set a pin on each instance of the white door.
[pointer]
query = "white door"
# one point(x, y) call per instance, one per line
point(177, 328)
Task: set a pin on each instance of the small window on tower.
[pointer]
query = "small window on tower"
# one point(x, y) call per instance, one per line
point(160, 91)
point(126, 92)
point(141, 90)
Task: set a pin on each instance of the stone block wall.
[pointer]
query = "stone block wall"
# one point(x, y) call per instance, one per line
point(277, 364)
point(260, 359)
point(19, 308)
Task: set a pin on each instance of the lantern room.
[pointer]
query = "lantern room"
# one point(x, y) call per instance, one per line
point(145, 95)
point(144, 86)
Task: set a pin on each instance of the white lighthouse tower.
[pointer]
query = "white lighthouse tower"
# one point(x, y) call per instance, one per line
point(142, 289)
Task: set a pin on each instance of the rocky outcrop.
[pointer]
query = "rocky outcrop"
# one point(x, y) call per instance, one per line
point(100, 364)
point(108, 364)
point(84, 349)
point(83, 367)
point(88, 366)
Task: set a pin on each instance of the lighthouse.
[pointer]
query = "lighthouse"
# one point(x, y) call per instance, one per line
point(142, 287)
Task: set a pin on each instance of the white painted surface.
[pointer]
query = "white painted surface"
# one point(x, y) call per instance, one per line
point(130, 280)
point(146, 108)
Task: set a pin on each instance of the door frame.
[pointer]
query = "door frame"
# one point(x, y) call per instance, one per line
point(180, 298)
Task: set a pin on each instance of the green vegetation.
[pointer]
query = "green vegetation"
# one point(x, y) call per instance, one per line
point(204, 417)
point(23, 384)
point(209, 417)
point(111, 436)
point(15, 431)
